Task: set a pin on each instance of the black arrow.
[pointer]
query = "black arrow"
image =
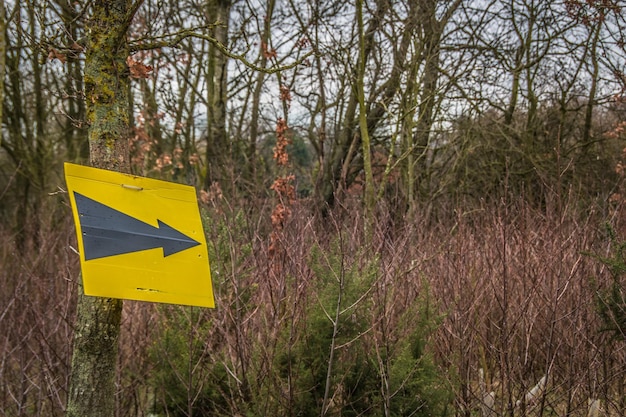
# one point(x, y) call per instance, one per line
point(109, 232)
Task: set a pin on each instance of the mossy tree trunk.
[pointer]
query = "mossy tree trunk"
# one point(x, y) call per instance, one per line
point(106, 81)
point(217, 141)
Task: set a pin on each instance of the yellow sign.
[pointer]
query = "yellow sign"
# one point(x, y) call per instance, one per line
point(139, 238)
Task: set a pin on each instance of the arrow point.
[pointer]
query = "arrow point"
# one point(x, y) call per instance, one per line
point(108, 232)
point(176, 241)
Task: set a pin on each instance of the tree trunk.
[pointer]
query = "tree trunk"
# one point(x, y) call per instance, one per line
point(591, 101)
point(74, 130)
point(365, 137)
point(258, 89)
point(106, 80)
point(429, 98)
point(217, 141)
point(3, 51)
point(336, 166)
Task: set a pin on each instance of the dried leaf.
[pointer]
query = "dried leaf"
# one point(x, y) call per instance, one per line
point(267, 52)
point(76, 47)
point(138, 69)
point(285, 94)
point(55, 54)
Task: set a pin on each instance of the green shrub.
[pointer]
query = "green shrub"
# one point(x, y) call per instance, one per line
point(343, 288)
point(186, 378)
point(611, 301)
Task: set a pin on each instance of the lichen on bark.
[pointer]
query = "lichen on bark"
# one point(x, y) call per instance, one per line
point(92, 385)
point(106, 81)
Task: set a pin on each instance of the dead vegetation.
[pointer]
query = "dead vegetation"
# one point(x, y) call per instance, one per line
point(504, 291)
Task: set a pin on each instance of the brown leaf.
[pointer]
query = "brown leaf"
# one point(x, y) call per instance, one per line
point(285, 94)
point(77, 47)
point(268, 53)
point(138, 69)
point(55, 54)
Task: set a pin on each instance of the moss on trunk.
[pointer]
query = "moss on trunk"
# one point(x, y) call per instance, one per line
point(106, 80)
point(92, 383)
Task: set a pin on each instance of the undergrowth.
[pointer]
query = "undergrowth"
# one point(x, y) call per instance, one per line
point(403, 322)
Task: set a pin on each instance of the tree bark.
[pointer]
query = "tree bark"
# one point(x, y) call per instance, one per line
point(365, 137)
point(334, 171)
point(217, 79)
point(106, 80)
point(433, 31)
point(591, 101)
point(3, 51)
point(258, 89)
point(74, 129)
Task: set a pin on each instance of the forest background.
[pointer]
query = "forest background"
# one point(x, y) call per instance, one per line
point(412, 208)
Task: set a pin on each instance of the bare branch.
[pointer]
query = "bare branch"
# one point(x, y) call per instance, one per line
point(173, 40)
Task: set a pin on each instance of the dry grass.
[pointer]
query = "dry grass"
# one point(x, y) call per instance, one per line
point(512, 285)
point(36, 314)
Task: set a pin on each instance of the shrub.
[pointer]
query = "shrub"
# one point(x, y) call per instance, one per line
point(611, 301)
